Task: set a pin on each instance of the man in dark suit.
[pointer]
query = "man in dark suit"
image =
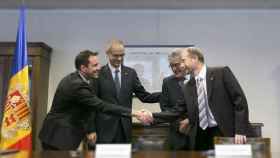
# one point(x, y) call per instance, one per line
point(116, 84)
point(64, 126)
point(216, 104)
point(172, 95)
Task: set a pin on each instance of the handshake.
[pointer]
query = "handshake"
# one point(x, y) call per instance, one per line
point(144, 116)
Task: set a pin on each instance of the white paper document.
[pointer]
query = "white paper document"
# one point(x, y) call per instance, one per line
point(113, 151)
point(233, 150)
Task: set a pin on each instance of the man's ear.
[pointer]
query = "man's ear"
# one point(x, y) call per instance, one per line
point(82, 68)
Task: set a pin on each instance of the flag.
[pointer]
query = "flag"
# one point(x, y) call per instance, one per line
point(16, 122)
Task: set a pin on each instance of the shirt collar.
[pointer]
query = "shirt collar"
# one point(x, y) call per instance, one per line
point(113, 69)
point(202, 73)
point(187, 78)
point(84, 78)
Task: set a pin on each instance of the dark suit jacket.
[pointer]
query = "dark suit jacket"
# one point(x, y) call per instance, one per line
point(226, 101)
point(172, 95)
point(107, 125)
point(64, 126)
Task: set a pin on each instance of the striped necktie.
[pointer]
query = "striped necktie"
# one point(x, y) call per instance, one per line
point(201, 99)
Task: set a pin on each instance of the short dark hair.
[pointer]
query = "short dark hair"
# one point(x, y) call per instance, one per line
point(82, 58)
point(196, 52)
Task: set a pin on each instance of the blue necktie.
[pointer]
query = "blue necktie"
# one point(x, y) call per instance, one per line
point(117, 81)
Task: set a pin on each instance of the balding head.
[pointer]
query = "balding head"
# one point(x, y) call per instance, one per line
point(193, 59)
point(115, 52)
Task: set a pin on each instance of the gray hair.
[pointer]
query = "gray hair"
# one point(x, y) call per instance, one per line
point(195, 52)
point(175, 55)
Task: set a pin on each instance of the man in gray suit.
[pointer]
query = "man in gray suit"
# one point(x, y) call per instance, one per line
point(116, 84)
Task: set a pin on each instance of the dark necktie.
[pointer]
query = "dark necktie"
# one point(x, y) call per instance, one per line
point(117, 81)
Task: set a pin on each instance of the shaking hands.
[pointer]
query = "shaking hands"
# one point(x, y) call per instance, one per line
point(144, 116)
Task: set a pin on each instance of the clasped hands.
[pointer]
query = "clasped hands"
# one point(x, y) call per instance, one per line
point(144, 116)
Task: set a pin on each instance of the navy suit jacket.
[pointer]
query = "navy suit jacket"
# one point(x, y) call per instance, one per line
point(106, 125)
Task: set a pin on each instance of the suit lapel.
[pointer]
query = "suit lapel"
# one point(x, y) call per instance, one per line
point(124, 79)
point(175, 83)
point(209, 82)
point(191, 98)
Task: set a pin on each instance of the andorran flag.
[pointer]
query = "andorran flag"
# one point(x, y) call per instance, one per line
point(16, 122)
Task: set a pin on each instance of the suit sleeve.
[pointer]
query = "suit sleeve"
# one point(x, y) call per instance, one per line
point(91, 125)
point(176, 113)
point(142, 94)
point(91, 122)
point(164, 97)
point(239, 101)
point(86, 97)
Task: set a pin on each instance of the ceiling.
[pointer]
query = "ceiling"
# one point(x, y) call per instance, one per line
point(142, 4)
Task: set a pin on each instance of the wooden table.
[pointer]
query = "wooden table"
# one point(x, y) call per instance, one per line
point(139, 154)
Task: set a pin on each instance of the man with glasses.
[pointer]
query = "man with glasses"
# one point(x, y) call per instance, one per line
point(172, 95)
point(116, 84)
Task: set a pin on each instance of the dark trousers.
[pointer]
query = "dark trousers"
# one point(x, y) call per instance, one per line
point(48, 147)
point(120, 136)
point(205, 138)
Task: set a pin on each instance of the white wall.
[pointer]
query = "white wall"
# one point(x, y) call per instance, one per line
point(246, 40)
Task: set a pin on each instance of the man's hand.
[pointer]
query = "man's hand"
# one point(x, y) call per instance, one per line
point(92, 137)
point(144, 116)
point(240, 139)
point(184, 124)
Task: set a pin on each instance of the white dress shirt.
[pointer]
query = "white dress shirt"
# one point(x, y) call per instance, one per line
point(211, 120)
